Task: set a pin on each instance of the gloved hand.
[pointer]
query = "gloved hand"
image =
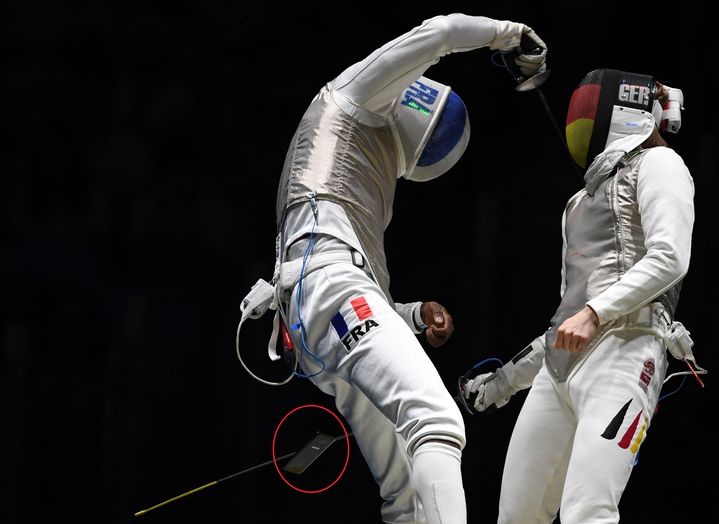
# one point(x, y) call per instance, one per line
point(489, 390)
point(532, 53)
point(531, 50)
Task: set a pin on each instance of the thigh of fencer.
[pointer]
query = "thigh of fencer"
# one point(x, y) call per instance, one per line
point(362, 341)
point(614, 395)
point(537, 455)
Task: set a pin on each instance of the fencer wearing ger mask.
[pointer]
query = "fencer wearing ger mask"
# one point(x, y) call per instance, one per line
point(597, 372)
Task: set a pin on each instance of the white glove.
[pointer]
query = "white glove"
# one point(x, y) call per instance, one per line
point(490, 388)
point(515, 36)
point(532, 53)
point(495, 389)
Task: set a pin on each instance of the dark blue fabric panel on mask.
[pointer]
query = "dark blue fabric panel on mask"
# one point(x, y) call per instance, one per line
point(447, 132)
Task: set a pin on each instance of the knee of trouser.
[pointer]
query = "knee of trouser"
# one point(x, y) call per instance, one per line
point(431, 417)
point(453, 441)
point(448, 447)
point(448, 430)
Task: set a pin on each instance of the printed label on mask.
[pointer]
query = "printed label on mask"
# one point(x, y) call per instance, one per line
point(421, 97)
point(634, 94)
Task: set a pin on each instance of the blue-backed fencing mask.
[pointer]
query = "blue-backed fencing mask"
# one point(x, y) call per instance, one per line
point(433, 128)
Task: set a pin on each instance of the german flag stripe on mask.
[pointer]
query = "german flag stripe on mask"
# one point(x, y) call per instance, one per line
point(590, 109)
point(580, 121)
point(586, 118)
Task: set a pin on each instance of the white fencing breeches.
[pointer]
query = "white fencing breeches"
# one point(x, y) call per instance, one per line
point(384, 384)
point(574, 443)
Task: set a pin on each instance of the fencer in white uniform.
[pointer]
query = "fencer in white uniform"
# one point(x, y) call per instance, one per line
point(601, 364)
point(379, 120)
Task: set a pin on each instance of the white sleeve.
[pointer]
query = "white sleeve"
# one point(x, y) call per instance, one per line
point(410, 313)
point(375, 82)
point(665, 195)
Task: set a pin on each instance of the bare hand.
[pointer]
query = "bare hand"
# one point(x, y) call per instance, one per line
point(577, 331)
point(440, 325)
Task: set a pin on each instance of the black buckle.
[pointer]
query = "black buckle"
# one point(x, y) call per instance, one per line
point(357, 259)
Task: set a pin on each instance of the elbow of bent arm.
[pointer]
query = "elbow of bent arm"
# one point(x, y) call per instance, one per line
point(679, 262)
point(683, 268)
point(439, 31)
point(458, 32)
point(671, 259)
point(676, 266)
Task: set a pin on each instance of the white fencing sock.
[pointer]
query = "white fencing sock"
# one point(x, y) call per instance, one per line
point(437, 476)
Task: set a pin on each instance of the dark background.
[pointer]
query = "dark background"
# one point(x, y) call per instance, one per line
point(141, 148)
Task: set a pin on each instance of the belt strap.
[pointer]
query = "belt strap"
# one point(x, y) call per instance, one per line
point(290, 271)
point(262, 295)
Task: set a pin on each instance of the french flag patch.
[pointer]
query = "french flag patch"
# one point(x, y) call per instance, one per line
point(360, 318)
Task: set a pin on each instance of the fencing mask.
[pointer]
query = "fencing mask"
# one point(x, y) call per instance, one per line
point(609, 105)
point(433, 127)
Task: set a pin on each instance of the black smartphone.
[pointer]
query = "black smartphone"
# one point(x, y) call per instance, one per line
point(308, 454)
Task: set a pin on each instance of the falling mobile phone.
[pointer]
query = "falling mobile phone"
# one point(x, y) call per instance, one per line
point(309, 453)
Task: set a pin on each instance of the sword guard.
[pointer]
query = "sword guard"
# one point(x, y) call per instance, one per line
point(533, 82)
